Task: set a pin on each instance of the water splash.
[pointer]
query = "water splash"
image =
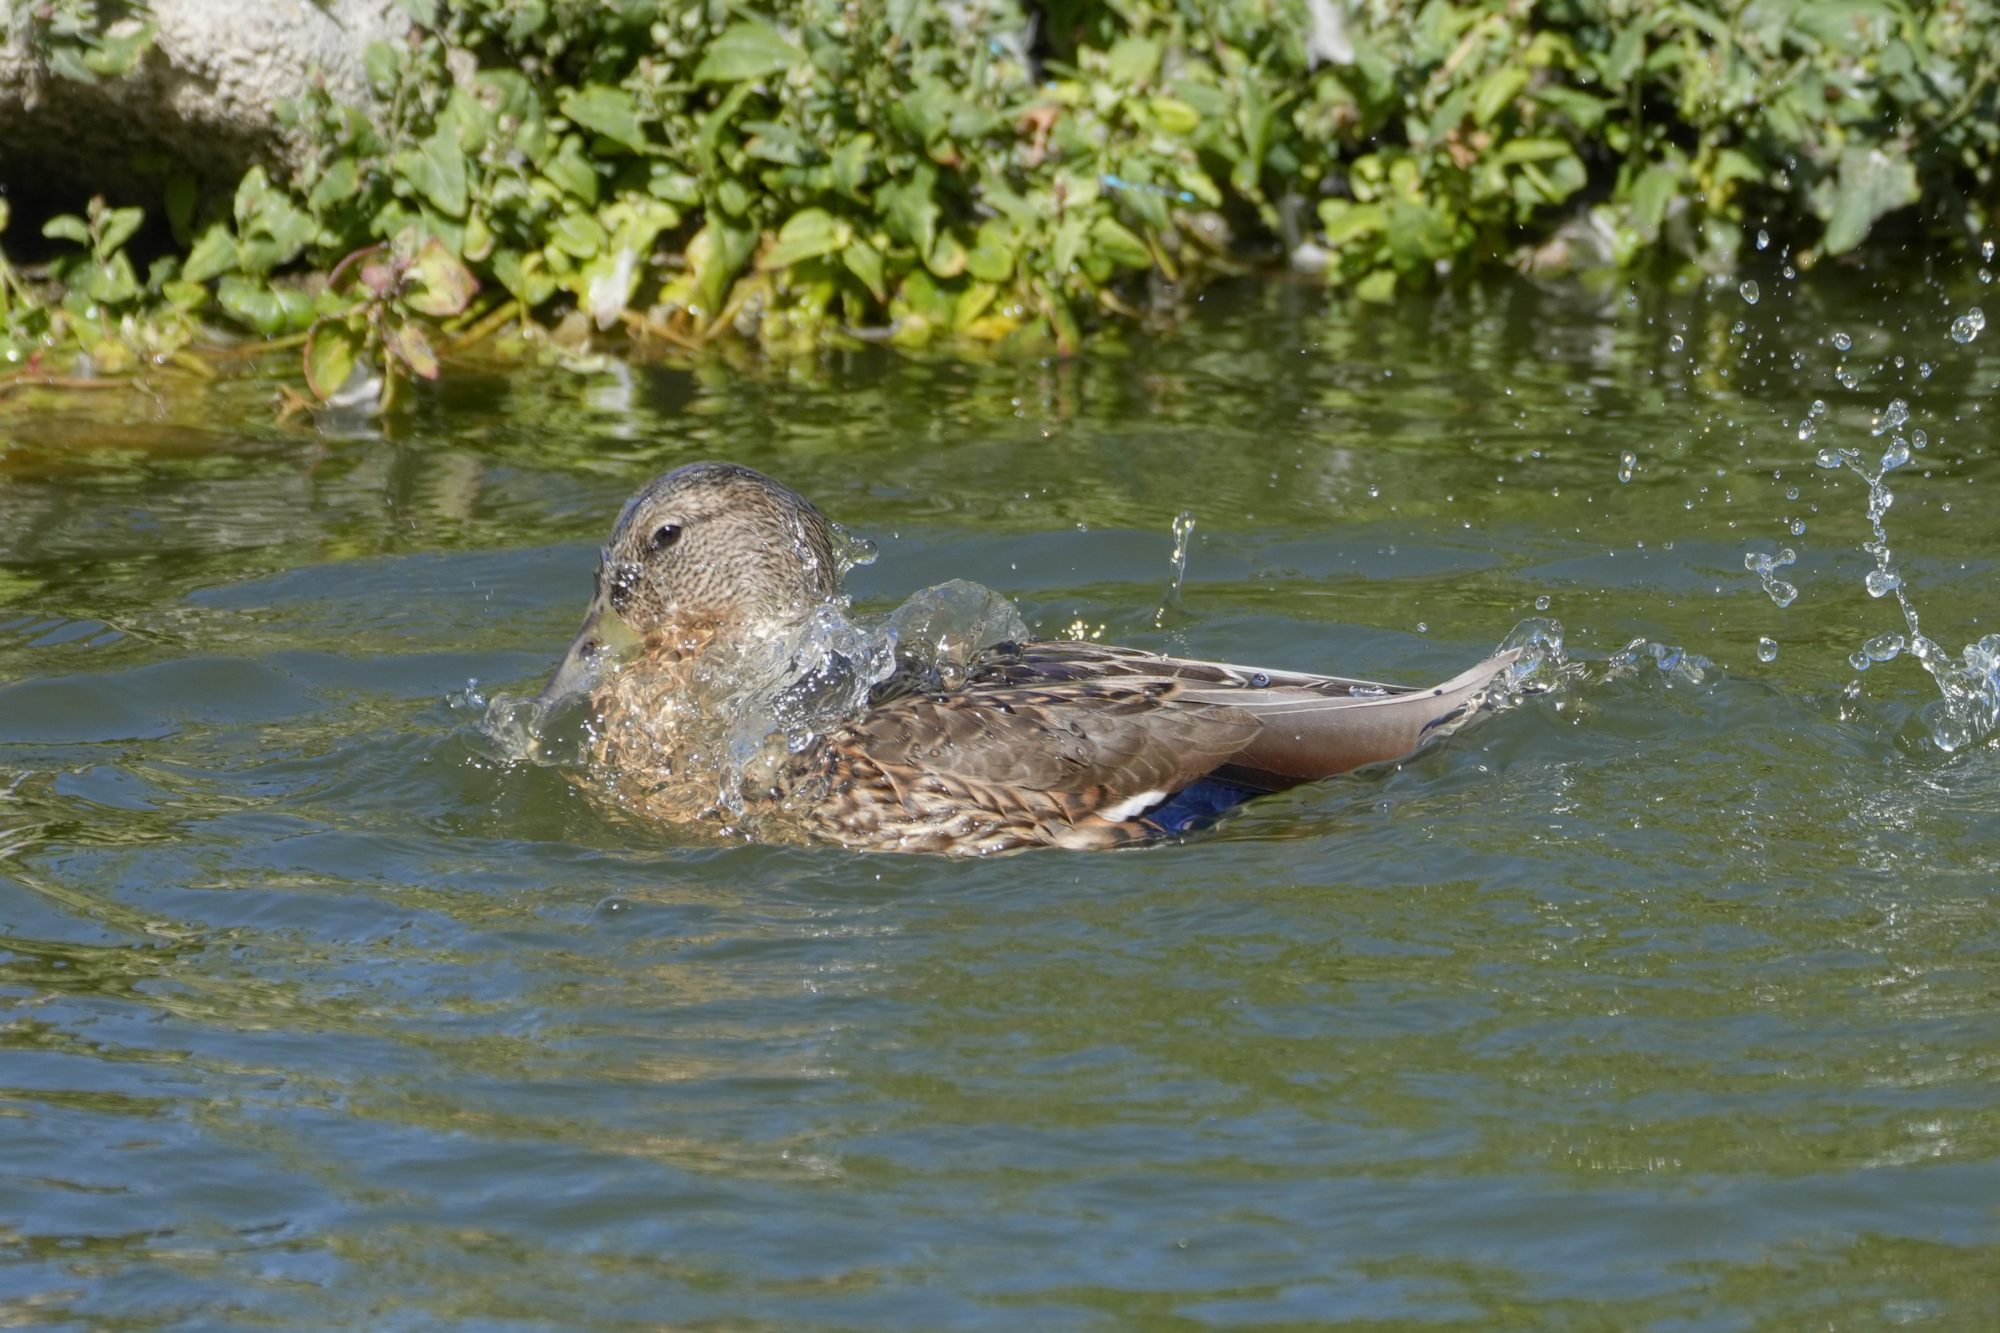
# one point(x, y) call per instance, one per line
point(747, 708)
point(850, 551)
point(1183, 530)
point(1766, 568)
point(1968, 708)
point(1541, 666)
point(1671, 663)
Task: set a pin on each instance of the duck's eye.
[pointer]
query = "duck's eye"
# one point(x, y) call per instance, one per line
point(664, 536)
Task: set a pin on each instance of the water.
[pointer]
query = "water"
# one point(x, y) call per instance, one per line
point(1663, 999)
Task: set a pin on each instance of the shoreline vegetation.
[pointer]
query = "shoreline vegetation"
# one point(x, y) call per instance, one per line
point(812, 174)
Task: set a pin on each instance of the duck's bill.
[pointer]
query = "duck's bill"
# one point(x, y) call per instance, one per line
point(603, 639)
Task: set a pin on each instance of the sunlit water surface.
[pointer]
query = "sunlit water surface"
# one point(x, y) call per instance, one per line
point(1665, 1000)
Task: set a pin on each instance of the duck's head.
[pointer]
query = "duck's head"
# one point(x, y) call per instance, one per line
point(710, 547)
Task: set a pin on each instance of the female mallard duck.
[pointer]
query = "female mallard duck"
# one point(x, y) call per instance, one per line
point(714, 695)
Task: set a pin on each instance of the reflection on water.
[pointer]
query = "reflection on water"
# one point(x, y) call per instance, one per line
point(1663, 998)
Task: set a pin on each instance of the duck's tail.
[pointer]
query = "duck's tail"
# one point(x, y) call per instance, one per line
point(1317, 726)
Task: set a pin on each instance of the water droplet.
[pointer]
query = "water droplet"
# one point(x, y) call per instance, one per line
point(1924, 368)
point(1766, 568)
point(1842, 343)
point(1986, 251)
point(1881, 582)
point(1797, 527)
point(1968, 325)
point(1858, 660)
point(1829, 457)
point(1767, 650)
point(1893, 417)
point(1884, 647)
point(1676, 343)
point(1808, 428)
point(1897, 454)
point(1422, 628)
point(1374, 491)
point(1763, 239)
point(1748, 291)
point(1542, 602)
point(1628, 463)
point(1918, 439)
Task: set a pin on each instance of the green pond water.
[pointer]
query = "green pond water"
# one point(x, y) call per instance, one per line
point(1669, 999)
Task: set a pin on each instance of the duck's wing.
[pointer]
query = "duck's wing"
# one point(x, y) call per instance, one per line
point(1309, 726)
point(1078, 745)
point(1076, 763)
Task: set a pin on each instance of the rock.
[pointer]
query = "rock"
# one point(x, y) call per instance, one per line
point(202, 100)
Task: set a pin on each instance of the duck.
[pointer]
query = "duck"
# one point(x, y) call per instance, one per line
point(705, 701)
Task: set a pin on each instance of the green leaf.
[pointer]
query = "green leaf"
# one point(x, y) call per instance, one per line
point(267, 309)
point(336, 185)
point(332, 350)
point(1070, 235)
point(572, 170)
point(382, 65)
point(606, 111)
point(717, 254)
point(850, 164)
point(437, 284)
point(1651, 194)
point(669, 184)
point(117, 52)
point(526, 277)
point(1628, 50)
point(864, 261)
point(406, 343)
point(436, 168)
point(747, 49)
point(111, 282)
point(1379, 286)
point(116, 228)
point(1346, 221)
point(1497, 92)
point(578, 235)
point(991, 258)
point(910, 210)
point(213, 255)
point(68, 62)
point(947, 256)
point(1871, 183)
point(1132, 60)
point(183, 295)
point(1419, 235)
point(708, 138)
point(67, 227)
point(1116, 242)
point(807, 234)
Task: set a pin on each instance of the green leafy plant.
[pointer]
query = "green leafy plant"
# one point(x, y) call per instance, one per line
point(815, 172)
point(86, 40)
point(372, 312)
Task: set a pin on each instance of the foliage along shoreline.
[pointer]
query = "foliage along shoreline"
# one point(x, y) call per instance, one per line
point(816, 171)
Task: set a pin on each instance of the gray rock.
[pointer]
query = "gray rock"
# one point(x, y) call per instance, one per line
point(203, 99)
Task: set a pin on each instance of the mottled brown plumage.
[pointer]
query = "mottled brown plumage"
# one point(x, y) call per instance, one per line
point(1040, 744)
